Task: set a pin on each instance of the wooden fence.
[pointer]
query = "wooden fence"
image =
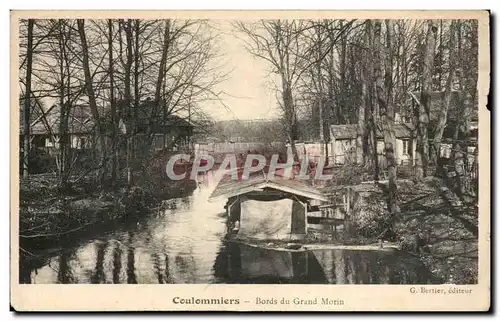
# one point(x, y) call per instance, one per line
point(237, 147)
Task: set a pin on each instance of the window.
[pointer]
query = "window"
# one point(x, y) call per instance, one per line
point(48, 142)
point(445, 151)
point(380, 147)
point(159, 142)
point(82, 142)
point(406, 147)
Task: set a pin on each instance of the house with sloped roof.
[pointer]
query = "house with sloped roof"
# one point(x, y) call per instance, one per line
point(263, 208)
point(157, 131)
point(460, 103)
point(171, 133)
point(45, 127)
point(345, 149)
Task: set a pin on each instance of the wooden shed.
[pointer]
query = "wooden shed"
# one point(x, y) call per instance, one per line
point(266, 209)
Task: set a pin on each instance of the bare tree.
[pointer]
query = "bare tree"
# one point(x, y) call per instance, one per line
point(386, 112)
point(422, 150)
point(361, 138)
point(128, 116)
point(372, 106)
point(281, 44)
point(443, 113)
point(112, 102)
point(27, 100)
point(161, 70)
point(53, 74)
point(64, 105)
point(61, 80)
point(277, 42)
point(92, 99)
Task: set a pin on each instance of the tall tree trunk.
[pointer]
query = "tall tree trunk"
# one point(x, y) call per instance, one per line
point(441, 56)
point(27, 101)
point(128, 67)
point(320, 115)
point(331, 84)
point(137, 56)
point(92, 100)
point(467, 96)
point(131, 120)
point(422, 154)
point(161, 70)
point(64, 107)
point(290, 118)
point(373, 108)
point(471, 76)
point(324, 147)
point(361, 139)
point(387, 114)
point(343, 83)
point(443, 113)
point(114, 118)
point(66, 134)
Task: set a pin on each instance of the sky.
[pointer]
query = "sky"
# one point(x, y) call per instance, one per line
point(248, 93)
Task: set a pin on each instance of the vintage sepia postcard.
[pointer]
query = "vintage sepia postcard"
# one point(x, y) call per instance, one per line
point(250, 161)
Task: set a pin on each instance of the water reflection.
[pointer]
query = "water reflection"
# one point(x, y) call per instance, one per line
point(184, 244)
point(245, 264)
point(131, 279)
point(117, 264)
point(98, 273)
point(64, 271)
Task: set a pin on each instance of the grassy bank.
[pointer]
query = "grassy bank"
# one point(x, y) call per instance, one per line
point(50, 215)
point(433, 223)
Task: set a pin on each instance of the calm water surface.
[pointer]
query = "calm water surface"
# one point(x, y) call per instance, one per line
point(184, 244)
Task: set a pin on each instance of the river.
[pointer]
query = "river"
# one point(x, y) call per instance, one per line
point(184, 243)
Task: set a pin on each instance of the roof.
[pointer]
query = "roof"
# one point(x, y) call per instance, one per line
point(344, 131)
point(258, 181)
point(403, 130)
point(160, 126)
point(79, 121)
point(145, 118)
point(437, 100)
point(350, 131)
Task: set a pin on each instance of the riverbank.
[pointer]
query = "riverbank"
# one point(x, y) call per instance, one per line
point(435, 223)
point(49, 215)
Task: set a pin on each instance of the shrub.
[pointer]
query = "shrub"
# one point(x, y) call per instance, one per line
point(40, 161)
